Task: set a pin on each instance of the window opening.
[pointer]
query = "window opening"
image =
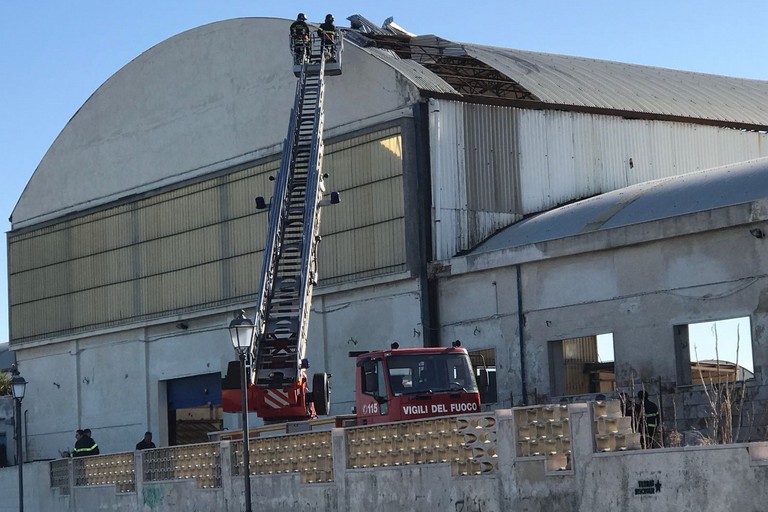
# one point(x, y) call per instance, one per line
point(485, 359)
point(582, 365)
point(720, 351)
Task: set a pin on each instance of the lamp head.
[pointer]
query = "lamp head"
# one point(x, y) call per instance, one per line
point(18, 387)
point(241, 332)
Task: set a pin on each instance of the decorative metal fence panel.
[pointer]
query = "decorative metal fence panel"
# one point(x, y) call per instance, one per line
point(115, 469)
point(199, 461)
point(310, 454)
point(467, 442)
point(60, 475)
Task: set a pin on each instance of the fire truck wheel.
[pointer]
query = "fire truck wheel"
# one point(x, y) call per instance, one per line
point(321, 393)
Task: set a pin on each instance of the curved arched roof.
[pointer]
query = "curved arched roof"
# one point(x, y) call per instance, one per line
point(566, 80)
point(653, 200)
point(203, 100)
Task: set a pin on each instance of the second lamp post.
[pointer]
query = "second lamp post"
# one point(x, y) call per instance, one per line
point(241, 332)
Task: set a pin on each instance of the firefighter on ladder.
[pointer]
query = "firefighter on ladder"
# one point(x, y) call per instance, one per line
point(300, 39)
point(327, 33)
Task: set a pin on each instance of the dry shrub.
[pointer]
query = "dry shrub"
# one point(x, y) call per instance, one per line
point(725, 396)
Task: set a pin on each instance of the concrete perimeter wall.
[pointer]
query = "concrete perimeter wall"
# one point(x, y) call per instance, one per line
point(706, 478)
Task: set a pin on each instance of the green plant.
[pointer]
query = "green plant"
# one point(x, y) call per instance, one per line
point(5, 384)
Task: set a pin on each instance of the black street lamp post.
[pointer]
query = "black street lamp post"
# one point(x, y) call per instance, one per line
point(241, 332)
point(18, 387)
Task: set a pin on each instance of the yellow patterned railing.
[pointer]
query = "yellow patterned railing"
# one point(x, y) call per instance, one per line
point(479, 433)
point(115, 469)
point(468, 443)
point(613, 431)
point(544, 431)
point(309, 454)
point(201, 462)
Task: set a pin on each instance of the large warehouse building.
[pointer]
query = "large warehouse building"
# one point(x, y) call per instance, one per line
point(536, 207)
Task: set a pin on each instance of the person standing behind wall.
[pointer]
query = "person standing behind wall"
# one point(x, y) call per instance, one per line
point(84, 446)
point(94, 446)
point(647, 416)
point(146, 443)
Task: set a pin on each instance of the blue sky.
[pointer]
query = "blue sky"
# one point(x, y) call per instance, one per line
point(55, 53)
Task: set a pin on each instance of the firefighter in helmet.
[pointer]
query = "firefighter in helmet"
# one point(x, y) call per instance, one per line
point(300, 39)
point(327, 33)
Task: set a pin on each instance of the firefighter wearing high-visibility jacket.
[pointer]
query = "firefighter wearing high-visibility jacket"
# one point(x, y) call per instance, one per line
point(85, 445)
point(647, 417)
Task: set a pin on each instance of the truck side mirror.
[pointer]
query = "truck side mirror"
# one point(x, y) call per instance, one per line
point(482, 379)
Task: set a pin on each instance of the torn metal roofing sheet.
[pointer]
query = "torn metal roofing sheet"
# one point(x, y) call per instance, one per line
point(653, 200)
point(421, 77)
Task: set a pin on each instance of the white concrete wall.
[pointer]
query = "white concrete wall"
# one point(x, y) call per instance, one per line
point(113, 383)
point(38, 497)
point(635, 282)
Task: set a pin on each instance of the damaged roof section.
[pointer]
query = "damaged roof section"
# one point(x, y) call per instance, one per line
point(467, 75)
point(542, 80)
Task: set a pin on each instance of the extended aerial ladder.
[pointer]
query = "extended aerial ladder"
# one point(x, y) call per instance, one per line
point(278, 384)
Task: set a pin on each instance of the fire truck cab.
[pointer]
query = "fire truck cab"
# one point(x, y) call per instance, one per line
point(414, 383)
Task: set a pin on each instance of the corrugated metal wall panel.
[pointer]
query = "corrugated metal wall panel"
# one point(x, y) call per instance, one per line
point(532, 137)
point(491, 164)
point(567, 156)
point(367, 172)
point(348, 255)
point(492, 184)
point(201, 245)
point(449, 202)
point(364, 234)
point(475, 187)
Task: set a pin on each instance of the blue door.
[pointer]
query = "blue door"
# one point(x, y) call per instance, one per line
point(194, 408)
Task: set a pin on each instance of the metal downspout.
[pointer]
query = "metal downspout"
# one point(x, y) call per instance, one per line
point(520, 330)
point(430, 317)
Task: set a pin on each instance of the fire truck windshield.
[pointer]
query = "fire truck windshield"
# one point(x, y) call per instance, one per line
point(424, 373)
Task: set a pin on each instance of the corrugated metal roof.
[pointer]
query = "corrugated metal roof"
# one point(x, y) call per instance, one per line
point(567, 80)
point(421, 77)
point(644, 202)
point(593, 83)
